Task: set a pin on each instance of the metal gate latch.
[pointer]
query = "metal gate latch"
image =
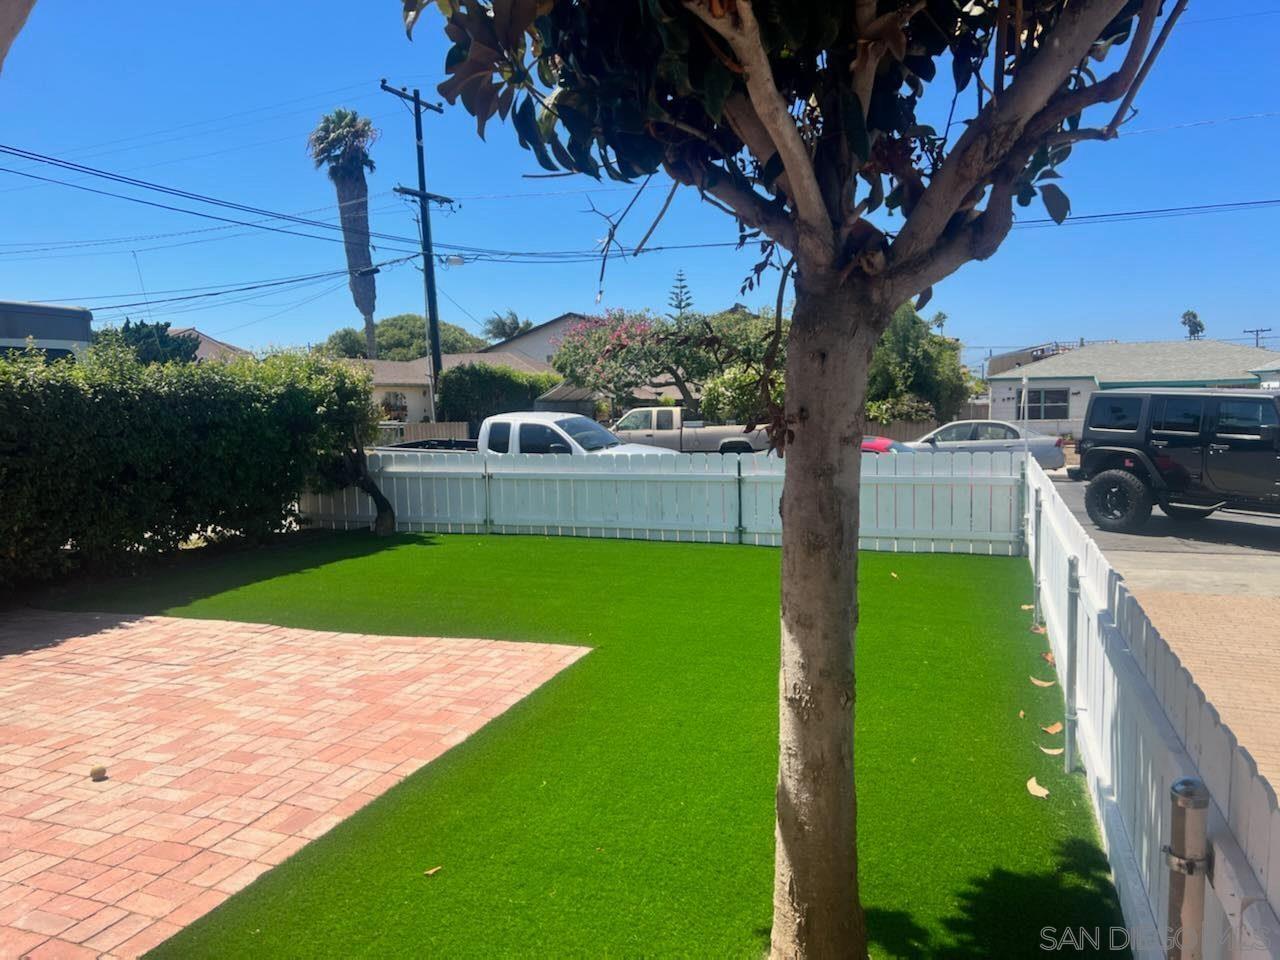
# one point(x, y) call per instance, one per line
point(1191, 866)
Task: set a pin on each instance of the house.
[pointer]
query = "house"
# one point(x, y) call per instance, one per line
point(58, 331)
point(540, 342)
point(210, 349)
point(1002, 362)
point(1058, 387)
point(402, 387)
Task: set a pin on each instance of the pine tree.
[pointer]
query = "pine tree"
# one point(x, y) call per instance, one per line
point(680, 300)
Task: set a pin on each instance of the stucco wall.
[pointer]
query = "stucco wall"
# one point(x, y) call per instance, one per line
point(1004, 404)
point(415, 397)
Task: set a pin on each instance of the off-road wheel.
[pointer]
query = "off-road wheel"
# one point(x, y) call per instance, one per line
point(1118, 501)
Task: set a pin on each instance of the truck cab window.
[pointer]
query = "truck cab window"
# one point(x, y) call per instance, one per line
point(636, 420)
point(538, 438)
point(665, 419)
point(499, 437)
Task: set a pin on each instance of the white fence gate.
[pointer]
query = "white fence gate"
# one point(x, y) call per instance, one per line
point(913, 502)
point(1143, 723)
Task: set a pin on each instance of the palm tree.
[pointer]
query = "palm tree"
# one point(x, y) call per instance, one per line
point(504, 326)
point(341, 142)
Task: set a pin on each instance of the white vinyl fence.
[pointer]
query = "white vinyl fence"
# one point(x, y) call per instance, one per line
point(911, 502)
point(1143, 723)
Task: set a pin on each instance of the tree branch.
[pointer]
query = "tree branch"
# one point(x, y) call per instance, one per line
point(756, 211)
point(814, 232)
point(745, 123)
point(1001, 124)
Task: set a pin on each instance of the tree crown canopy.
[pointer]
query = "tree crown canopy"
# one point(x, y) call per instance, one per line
point(341, 141)
point(804, 119)
point(152, 342)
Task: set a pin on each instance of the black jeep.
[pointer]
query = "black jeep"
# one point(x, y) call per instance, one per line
point(1189, 451)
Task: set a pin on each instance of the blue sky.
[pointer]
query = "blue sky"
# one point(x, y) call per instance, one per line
point(220, 101)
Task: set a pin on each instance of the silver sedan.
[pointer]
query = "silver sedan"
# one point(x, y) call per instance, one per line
point(989, 436)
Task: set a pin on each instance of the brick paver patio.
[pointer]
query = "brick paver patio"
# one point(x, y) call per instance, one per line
point(1229, 645)
point(228, 746)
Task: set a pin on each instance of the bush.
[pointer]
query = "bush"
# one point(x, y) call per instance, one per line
point(109, 459)
point(906, 407)
point(735, 395)
point(474, 391)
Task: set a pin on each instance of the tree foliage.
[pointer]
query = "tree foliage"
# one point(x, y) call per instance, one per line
point(504, 326)
point(622, 351)
point(1193, 324)
point(734, 395)
point(402, 337)
point(151, 342)
point(472, 391)
point(163, 452)
point(912, 363)
point(680, 300)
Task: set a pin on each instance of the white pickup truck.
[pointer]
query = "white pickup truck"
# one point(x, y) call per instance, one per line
point(547, 432)
point(666, 427)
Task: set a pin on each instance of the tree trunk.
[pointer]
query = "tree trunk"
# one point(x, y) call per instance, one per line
point(370, 337)
point(816, 908)
point(353, 211)
point(384, 523)
point(13, 14)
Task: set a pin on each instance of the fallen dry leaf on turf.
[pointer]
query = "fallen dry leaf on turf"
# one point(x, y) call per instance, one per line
point(1022, 714)
point(1047, 657)
point(1035, 789)
point(1051, 751)
point(1052, 728)
point(1042, 683)
point(892, 574)
point(432, 872)
point(1037, 628)
point(1028, 606)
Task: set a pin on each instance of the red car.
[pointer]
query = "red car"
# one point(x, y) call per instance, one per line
point(883, 445)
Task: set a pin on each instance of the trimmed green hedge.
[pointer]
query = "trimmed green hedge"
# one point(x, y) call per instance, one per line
point(474, 391)
point(106, 459)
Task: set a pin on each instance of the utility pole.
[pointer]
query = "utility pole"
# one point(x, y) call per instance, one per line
point(1257, 334)
point(424, 215)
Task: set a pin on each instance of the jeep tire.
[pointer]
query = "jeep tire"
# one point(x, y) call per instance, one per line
point(1118, 501)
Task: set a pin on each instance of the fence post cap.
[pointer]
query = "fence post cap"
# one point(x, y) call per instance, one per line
point(1189, 793)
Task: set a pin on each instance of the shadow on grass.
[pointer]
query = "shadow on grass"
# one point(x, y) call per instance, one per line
point(190, 575)
point(1007, 914)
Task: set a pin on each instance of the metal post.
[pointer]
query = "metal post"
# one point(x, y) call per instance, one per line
point(1189, 862)
point(1020, 547)
point(1073, 618)
point(1037, 615)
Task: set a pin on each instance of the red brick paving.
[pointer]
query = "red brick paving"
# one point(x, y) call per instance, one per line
point(1228, 645)
point(228, 746)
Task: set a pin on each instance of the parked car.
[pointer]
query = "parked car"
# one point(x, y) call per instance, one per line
point(975, 436)
point(1191, 452)
point(667, 428)
point(883, 445)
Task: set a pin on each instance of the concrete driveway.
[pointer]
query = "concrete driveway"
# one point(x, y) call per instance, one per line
point(228, 747)
point(1212, 589)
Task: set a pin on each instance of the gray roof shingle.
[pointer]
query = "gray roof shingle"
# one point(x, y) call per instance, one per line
point(1192, 362)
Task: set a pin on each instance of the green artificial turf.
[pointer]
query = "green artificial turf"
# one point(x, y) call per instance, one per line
point(626, 807)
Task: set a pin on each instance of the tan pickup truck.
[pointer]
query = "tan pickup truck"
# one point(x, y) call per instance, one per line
point(666, 427)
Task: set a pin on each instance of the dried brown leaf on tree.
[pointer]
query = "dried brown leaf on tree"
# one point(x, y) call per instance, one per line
point(1053, 728)
point(1035, 789)
point(1042, 683)
point(1051, 751)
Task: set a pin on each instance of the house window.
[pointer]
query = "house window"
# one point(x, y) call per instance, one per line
point(395, 406)
point(1045, 405)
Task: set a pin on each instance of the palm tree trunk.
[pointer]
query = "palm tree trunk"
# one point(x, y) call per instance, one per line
point(816, 907)
point(353, 209)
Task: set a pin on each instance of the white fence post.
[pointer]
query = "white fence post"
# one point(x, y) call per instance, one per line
point(1037, 614)
point(1073, 629)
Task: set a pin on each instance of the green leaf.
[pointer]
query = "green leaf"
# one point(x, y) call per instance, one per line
point(717, 84)
point(1055, 201)
point(855, 125)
